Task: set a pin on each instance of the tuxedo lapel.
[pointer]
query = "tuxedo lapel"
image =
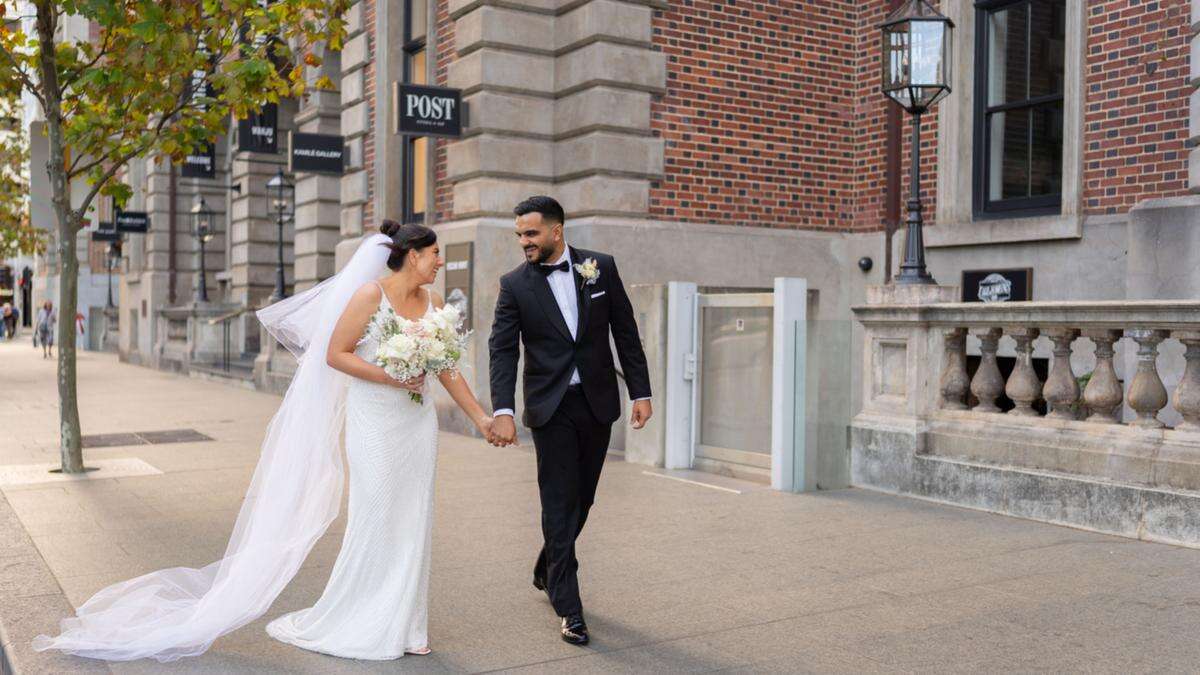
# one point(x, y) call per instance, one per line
point(583, 297)
point(541, 290)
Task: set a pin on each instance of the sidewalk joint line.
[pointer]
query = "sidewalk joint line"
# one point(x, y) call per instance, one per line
point(691, 482)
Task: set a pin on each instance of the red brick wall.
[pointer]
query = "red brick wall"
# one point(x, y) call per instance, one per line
point(758, 119)
point(1136, 107)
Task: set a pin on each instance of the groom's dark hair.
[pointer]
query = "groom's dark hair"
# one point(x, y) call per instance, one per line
point(551, 210)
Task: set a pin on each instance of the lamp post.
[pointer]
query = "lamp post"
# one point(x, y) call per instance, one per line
point(916, 75)
point(202, 229)
point(281, 191)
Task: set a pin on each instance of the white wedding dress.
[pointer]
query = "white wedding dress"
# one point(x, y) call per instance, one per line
point(375, 605)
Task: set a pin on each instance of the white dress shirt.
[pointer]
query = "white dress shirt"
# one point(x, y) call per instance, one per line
point(562, 285)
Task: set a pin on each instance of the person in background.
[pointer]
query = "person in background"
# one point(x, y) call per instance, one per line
point(44, 328)
point(5, 319)
point(15, 324)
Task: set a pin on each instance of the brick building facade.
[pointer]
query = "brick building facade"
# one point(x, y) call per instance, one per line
point(726, 144)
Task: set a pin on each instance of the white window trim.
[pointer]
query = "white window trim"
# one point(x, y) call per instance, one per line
point(956, 224)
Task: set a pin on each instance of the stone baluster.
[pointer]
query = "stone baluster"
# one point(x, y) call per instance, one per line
point(1023, 385)
point(1103, 391)
point(987, 385)
point(955, 383)
point(1147, 395)
point(1187, 394)
point(1062, 389)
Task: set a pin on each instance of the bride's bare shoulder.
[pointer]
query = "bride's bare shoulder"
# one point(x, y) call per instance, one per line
point(368, 293)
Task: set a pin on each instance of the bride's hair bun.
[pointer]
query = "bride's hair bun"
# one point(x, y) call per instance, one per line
point(389, 227)
point(405, 238)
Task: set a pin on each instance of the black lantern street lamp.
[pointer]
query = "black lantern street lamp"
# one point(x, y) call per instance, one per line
point(202, 229)
point(281, 192)
point(916, 75)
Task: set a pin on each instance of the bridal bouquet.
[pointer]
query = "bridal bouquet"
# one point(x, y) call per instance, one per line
point(409, 348)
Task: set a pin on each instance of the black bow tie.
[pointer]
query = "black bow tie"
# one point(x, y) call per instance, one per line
point(547, 270)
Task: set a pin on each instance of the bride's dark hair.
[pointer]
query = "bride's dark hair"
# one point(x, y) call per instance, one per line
point(405, 238)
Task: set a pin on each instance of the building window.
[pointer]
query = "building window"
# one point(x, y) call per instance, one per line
point(1019, 85)
point(416, 150)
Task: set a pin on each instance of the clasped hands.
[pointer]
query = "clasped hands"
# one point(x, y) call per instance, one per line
point(499, 431)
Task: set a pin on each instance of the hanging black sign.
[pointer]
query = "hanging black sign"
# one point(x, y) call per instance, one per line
point(427, 111)
point(132, 221)
point(201, 163)
point(1014, 285)
point(316, 153)
point(106, 230)
point(257, 132)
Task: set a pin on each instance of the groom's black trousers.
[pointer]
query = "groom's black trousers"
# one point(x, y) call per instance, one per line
point(570, 455)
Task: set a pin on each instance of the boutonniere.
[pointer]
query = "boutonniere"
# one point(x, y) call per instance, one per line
point(588, 270)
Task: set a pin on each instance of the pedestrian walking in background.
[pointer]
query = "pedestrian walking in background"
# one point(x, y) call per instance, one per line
point(45, 329)
point(12, 319)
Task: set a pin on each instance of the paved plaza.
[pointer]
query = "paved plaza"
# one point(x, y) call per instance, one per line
point(678, 576)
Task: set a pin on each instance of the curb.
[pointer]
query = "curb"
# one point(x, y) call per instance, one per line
point(31, 602)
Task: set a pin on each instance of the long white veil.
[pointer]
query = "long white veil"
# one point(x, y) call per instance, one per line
point(295, 494)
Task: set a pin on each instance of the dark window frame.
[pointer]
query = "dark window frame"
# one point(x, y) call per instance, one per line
point(1013, 207)
point(407, 156)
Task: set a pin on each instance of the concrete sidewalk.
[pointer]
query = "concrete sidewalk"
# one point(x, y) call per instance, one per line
point(677, 576)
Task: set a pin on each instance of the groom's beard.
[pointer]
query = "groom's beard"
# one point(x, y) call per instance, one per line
point(539, 254)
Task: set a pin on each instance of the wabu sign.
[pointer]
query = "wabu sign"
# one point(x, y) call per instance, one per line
point(427, 111)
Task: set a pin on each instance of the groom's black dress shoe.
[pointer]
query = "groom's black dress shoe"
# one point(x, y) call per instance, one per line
point(574, 630)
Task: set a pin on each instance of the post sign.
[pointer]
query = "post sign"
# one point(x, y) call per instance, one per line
point(1014, 285)
point(257, 132)
point(427, 111)
point(106, 230)
point(132, 221)
point(459, 264)
point(201, 164)
point(316, 153)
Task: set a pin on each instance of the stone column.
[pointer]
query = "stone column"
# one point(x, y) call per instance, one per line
point(318, 207)
point(567, 116)
point(1187, 394)
point(954, 383)
point(987, 384)
point(1103, 392)
point(1023, 386)
point(1062, 389)
point(1147, 395)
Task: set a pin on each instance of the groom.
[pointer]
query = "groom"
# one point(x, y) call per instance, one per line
point(561, 304)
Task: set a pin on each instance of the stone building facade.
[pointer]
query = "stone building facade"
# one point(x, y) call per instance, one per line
point(724, 143)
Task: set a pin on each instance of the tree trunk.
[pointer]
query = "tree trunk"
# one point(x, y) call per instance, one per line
point(70, 446)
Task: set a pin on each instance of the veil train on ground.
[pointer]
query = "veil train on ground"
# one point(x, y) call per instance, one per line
point(294, 495)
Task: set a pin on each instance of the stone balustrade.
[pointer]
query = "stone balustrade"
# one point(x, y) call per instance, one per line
point(1068, 327)
point(1108, 440)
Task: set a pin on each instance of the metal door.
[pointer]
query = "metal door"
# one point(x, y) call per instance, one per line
point(732, 410)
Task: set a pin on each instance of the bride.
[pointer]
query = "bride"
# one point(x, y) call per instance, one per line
point(375, 603)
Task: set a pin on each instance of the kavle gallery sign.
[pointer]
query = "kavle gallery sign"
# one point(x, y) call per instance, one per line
point(427, 111)
point(316, 153)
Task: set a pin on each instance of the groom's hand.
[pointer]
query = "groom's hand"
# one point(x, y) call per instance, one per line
point(504, 431)
point(641, 414)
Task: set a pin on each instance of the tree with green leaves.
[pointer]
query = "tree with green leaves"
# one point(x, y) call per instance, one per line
point(152, 78)
point(17, 235)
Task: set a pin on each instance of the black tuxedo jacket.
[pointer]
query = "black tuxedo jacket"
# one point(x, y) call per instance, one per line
point(527, 312)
